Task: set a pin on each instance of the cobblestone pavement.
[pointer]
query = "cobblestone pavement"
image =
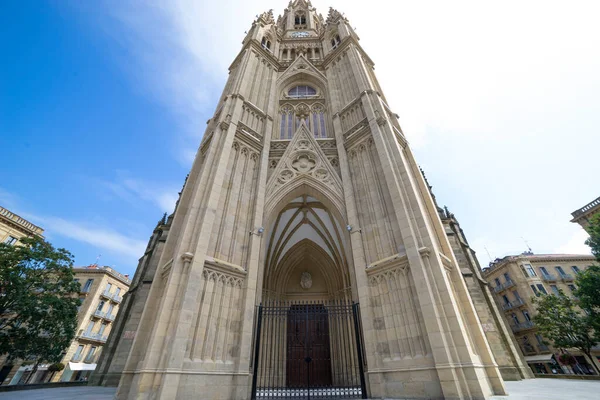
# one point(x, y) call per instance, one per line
point(531, 389)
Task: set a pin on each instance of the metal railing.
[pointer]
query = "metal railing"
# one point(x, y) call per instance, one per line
point(509, 283)
point(513, 304)
point(549, 277)
point(94, 336)
point(521, 326)
point(567, 277)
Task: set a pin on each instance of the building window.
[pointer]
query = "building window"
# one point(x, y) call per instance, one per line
point(515, 318)
point(266, 44)
point(117, 291)
point(526, 315)
point(505, 298)
point(506, 277)
point(560, 271)
point(544, 271)
point(77, 355)
point(110, 308)
point(100, 306)
point(555, 290)
point(90, 355)
point(535, 291)
point(87, 286)
point(102, 328)
point(572, 288)
point(300, 21)
point(10, 240)
point(541, 288)
point(287, 116)
point(302, 91)
point(90, 327)
point(529, 271)
point(497, 282)
point(335, 41)
point(516, 294)
point(575, 269)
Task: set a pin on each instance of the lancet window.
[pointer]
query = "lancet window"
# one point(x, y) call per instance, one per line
point(291, 117)
point(300, 21)
point(266, 43)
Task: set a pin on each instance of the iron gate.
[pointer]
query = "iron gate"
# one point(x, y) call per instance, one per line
point(308, 351)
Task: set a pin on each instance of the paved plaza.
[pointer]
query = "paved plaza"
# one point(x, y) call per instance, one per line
point(531, 389)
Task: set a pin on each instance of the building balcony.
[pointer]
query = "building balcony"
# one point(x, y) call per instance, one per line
point(103, 315)
point(97, 337)
point(523, 326)
point(116, 298)
point(106, 294)
point(549, 278)
point(504, 286)
point(567, 278)
point(513, 304)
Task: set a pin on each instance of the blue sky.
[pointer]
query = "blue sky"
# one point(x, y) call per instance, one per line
point(103, 105)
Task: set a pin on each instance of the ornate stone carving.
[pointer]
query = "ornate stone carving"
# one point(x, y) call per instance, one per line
point(306, 280)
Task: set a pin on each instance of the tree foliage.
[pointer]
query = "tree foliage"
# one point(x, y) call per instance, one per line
point(559, 320)
point(38, 300)
point(594, 239)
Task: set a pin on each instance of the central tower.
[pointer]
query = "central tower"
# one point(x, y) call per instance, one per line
point(304, 191)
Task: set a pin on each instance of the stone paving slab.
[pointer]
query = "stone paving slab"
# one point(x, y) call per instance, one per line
point(531, 389)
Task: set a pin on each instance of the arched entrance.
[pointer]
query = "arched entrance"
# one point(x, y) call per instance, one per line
point(307, 332)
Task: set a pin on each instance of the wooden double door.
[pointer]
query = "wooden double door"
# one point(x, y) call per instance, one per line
point(308, 361)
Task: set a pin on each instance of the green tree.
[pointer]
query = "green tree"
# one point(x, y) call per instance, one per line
point(559, 320)
point(38, 301)
point(594, 239)
point(588, 281)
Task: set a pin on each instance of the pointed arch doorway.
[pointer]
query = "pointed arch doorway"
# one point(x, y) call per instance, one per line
point(307, 342)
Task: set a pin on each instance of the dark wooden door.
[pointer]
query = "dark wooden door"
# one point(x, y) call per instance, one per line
point(308, 352)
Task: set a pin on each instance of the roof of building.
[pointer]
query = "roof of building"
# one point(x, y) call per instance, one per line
point(587, 209)
point(19, 222)
point(94, 268)
point(497, 263)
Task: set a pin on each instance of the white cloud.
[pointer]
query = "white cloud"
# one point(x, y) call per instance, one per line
point(103, 239)
point(575, 244)
point(133, 189)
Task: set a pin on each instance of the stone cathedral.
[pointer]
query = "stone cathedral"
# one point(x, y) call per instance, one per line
point(307, 256)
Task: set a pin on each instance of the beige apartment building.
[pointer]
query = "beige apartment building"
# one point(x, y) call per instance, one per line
point(14, 227)
point(515, 281)
point(584, 215)
point(102, 290)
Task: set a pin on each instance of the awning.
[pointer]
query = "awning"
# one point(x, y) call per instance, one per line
point(81, 366)
point(539, 358)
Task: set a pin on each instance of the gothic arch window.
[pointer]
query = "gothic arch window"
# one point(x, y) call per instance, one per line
point(335, 41)
point(302, 91)
point(300, 21)
point(287, 121)
point(317, 121)
point(266, 43)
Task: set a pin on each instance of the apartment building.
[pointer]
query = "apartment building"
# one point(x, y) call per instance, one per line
point(515, 281)
point(102, 290)
point(14, 227)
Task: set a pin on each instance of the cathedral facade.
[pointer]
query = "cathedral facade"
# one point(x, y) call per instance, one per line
point(306, 255)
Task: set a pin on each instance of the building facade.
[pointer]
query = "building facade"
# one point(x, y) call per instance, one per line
point(515, 281)
point(102, 290)
point(14, 227)
point(306, 243)
point(583, 215)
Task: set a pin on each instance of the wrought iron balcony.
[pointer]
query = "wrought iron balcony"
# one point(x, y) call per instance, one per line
point(549, 277)
point(98, 337)
point(522, 326)
point(513, 304)
point(509, 283)
point(567, 278)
